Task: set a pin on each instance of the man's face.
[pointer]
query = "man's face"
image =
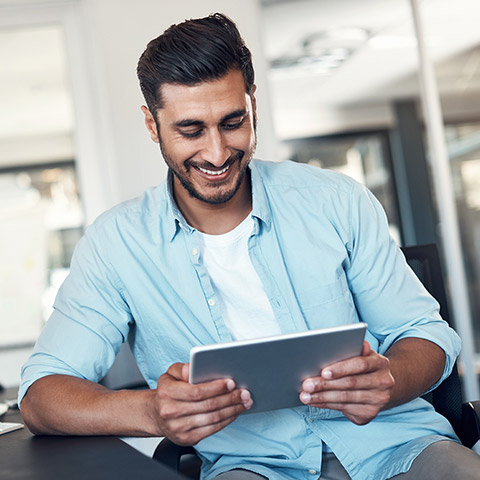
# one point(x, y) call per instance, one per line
point(207, 137)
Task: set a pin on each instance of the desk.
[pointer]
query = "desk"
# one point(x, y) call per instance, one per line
point(24, 456)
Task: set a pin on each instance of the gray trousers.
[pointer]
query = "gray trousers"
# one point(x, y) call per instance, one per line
point(443, 460)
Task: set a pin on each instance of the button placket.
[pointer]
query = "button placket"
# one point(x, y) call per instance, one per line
point(194, 250)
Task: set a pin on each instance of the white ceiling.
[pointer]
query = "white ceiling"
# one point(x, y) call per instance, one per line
point(382, 69)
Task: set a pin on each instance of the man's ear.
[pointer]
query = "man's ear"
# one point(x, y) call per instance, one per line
point(150, 124)
point(254, 101)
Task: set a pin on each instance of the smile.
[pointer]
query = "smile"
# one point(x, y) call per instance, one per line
point(211, 172)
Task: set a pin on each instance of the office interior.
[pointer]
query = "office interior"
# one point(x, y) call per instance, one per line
point(338, 87)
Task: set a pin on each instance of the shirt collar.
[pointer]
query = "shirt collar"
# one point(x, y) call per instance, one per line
point(260, 205)
point(260, 208)
point(175, 218)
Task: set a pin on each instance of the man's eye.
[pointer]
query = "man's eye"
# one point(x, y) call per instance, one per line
point(191, 134)
point(233, 126)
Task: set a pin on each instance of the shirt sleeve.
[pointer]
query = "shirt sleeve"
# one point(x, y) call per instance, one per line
point(387, 293)
point(89, 324)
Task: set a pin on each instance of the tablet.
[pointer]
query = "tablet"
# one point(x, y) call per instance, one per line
point(273, 368)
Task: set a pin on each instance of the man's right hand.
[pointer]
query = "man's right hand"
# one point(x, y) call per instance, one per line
point(188, 413)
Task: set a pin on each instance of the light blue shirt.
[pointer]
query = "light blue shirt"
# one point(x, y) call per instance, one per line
point(322, 250)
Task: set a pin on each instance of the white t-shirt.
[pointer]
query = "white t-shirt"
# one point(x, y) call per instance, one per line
point(245, 308)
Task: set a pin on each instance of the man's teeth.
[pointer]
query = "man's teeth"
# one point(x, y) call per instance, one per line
point(211, 172)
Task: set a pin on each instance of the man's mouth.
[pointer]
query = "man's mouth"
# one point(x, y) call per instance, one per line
point(214, 172)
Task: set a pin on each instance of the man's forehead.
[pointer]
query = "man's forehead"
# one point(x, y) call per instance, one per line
point(232, 80)
point(219, 97)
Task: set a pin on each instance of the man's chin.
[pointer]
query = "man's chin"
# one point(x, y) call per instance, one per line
point(215, 198)
point(219, 193)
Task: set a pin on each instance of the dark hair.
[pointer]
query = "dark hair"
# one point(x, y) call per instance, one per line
point(192, 52)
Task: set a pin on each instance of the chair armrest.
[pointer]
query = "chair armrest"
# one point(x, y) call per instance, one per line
point(470, 423)
point(170, 453)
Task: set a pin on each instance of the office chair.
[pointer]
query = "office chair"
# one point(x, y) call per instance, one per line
point(446, 398)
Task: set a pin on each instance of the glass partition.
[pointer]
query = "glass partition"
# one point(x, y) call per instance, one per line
point(41, 218)
point(463, 142)
point(363, 156)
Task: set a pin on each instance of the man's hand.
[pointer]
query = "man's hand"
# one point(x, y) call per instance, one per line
point(61, 404)
point(359, 387)
point(188, 413)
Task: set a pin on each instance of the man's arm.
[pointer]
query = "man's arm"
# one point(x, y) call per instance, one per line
point(60, 404)
point(363, 386)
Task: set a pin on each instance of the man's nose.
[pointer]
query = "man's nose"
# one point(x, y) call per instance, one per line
point(215, 151)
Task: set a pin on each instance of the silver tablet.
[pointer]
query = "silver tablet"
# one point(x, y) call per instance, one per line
point(273, 368)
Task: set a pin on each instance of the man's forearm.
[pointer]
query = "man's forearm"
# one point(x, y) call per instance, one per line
point(416, 365)
point(60, 404)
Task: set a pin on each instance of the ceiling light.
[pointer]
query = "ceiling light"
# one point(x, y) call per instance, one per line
point(322, 52)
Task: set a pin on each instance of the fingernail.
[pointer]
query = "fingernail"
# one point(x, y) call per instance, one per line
point(305, 397)
point(245, 396)
point(327, 374)
point(230, 384)
point(248, 405)
point(308, 386)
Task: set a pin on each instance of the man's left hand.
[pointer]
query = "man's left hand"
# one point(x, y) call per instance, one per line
point(359, 387)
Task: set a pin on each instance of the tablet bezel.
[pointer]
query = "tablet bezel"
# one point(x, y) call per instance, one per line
point(273, 368)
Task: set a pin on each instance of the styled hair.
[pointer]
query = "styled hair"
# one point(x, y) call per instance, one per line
point(193, 52)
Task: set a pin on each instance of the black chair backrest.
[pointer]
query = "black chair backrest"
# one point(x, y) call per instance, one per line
point(424, 260)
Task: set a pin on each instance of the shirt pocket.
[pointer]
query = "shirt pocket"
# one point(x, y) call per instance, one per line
point(327, 305)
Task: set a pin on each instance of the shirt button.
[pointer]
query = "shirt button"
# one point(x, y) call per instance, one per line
point(211, 302)
point(312, 472)
point(194, 251)
point(310, 420)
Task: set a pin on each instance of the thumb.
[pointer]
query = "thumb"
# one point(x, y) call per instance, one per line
point(186, 372)
point(366, 350)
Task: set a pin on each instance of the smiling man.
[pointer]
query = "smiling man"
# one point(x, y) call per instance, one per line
point(207, 137)
point(232, 248)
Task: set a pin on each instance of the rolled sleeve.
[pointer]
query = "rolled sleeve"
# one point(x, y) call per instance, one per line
point(388, 295)
point(90, 321)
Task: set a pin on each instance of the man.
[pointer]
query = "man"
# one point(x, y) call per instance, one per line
point(233, 248)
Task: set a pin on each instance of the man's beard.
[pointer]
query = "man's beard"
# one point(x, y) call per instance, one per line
point(221, 196)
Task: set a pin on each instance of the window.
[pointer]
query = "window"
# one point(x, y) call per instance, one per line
point(40, 222)
point(40, 214)
point(363, 156)
point(463, 141)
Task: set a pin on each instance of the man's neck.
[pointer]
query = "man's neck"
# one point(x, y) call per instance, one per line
point(215, 219)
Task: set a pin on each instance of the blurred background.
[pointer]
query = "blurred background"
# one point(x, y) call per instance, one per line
point(338, 88)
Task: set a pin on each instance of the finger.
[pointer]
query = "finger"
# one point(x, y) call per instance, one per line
point(176, 370)
point(346, 397)
point(176, 409)
point(193, 436)
point(352, 366)
point(191, 422)
point(356, 366)
point(341, 368)
point(368, 381)
point(358, 414)
point(172, 387)
point(186, 372)
point(367, 349)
